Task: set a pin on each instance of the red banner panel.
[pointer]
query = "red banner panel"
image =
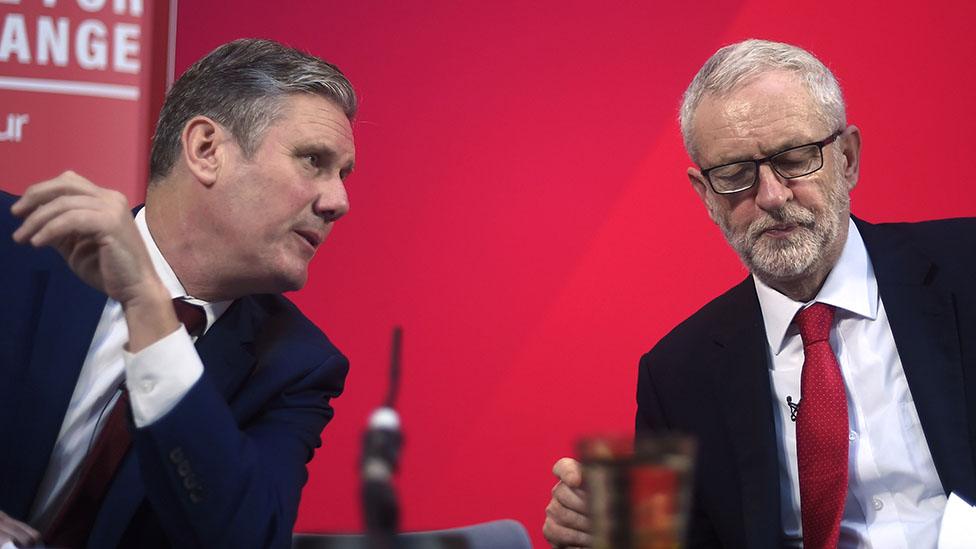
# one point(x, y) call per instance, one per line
point(80, 85)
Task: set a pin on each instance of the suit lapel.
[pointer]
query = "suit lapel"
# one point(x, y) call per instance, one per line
point(227, 350)
point(742, 386)
point(68, 317)
point(921, 313)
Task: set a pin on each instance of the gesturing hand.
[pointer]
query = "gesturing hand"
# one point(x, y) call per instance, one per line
point(567, 524)
point(93, 229)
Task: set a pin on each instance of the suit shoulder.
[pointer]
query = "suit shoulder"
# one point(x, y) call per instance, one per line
point(22, 258)
point(689, 336)
point(936, 229)
point(280, 320)
point(942, 239)
point(7, 199)
point(7, 220)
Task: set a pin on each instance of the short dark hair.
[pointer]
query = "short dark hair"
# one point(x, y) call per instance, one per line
point(241, 85)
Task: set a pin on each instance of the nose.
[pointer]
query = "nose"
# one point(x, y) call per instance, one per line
point(772, 192)
point(332, 201)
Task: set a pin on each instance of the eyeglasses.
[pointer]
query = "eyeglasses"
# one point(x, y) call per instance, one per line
point(791, 163)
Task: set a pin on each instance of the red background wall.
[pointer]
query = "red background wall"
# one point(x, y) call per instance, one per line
point(520, 207)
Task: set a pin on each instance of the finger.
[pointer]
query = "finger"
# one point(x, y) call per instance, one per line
point(69, 224)
point(43, 214)
point(567, 517)
point(561, 536)
point(570, 498)
point(569, 471)
point(18, 532)
point(68, 183)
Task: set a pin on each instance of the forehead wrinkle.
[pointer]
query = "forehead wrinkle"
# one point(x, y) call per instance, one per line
point(319, 129)
point(316, 109)
point(340, 127)
point(755, 121)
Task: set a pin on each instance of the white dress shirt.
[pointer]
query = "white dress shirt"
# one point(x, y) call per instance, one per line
point(157, 378)
point(895, 498)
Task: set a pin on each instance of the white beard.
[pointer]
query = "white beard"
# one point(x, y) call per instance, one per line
point(796, 255)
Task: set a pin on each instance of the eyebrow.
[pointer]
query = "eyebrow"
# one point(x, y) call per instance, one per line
point(788, 144)
point(764, 152)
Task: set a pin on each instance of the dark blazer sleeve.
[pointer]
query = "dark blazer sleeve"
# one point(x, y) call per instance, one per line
point(651, 418)
point(220, 475)
point(709, 378)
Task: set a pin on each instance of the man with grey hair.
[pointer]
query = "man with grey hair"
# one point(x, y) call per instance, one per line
point(833, 392)
point(156, 388)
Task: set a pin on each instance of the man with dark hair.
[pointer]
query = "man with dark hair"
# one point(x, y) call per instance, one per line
point(156, 389)
point(870, 327)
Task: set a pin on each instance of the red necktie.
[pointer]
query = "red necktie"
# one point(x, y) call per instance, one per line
point(73, 522)
point(192, 316)
point(822, 445)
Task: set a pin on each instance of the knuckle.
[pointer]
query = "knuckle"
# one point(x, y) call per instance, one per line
point(118, 197)
point(551, 508)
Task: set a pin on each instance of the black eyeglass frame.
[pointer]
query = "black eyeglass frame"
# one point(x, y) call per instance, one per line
point(759, 161)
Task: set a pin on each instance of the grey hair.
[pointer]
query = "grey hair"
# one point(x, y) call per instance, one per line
point(241, 86)
point(738, 64)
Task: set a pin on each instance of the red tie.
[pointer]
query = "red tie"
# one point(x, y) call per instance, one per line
point(822, 444)
point(192, 316)
point(73, 522)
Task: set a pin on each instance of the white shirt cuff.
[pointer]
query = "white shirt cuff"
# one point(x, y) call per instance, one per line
point(159, 375)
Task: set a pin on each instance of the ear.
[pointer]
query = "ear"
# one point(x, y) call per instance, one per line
point(851, 151)
point(701, 188)
point(204, 142)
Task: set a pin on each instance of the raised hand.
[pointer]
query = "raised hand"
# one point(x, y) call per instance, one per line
point(93, 229)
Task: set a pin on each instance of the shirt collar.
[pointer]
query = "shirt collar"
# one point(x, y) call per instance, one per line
point(850, 286)
point(169, 278)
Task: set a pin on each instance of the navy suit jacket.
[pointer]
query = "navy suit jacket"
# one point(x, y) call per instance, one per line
point(224, 468)
point(709, 377)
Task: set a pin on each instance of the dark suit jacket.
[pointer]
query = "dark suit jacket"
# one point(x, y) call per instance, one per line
point(224, 468)
point(709, 377)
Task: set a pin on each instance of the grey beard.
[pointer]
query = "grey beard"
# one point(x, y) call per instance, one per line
point(792, 257)
point(781, 259)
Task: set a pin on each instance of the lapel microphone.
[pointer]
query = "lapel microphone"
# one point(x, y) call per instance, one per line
point(794, 407)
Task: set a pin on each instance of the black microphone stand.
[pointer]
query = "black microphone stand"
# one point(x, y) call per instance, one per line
point(381, 453)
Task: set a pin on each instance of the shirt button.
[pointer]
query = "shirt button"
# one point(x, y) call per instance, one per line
point(852, 436)
point(148, 385)
point(877, 503)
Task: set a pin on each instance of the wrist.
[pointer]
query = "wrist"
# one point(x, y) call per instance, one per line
point(149, 316)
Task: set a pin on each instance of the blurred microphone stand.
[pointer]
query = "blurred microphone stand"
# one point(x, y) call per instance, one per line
point(381, 453)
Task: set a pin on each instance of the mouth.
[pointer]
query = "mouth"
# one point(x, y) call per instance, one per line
point(311, 237)
point(780, 230)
